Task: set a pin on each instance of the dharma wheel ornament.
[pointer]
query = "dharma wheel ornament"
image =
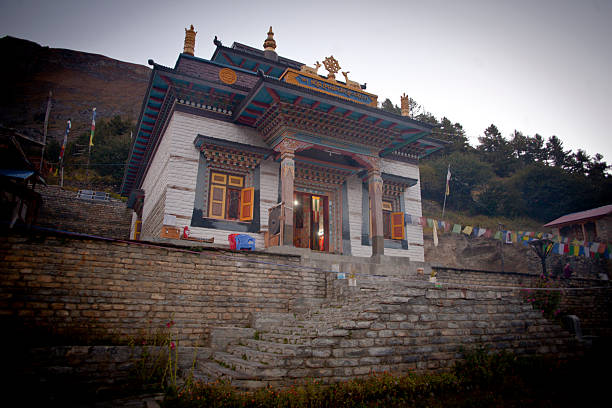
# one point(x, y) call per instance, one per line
point(332, 66)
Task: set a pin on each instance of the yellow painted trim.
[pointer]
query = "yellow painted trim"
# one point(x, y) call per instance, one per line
point(222, 202)
point(243, 203)
point(395, 225)
point(222, 177)
point(236, 181)
point(290, 75)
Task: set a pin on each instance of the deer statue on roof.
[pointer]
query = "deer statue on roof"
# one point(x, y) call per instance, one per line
point(311, 70)
point(349, 83)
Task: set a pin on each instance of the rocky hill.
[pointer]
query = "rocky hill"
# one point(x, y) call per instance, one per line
point(78, 80)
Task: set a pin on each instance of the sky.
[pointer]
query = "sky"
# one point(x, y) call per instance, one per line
point(537, 66)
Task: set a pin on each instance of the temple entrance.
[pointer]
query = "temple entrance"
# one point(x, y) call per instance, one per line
point(311, 221)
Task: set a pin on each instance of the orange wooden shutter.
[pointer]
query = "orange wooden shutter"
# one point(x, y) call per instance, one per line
point(137, 228)
point(217, 201)
point(397, 225)
point(246, 204)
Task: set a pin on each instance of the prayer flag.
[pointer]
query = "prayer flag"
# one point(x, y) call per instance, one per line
point(447, 227)
point(456, 228)
point(482, 231)
point(602, 248)
point(498, 235)
point(61, 156)
point(488, 233)
point(93, 127)
point(448, 176)
point(468, 230)
point(430, 222)
point(435, 234)
point(423, 221)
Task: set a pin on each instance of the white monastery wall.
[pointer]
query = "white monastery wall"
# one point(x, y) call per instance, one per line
point(412, 202)
point(175, 168)
point(354, 186)
point(268, 191)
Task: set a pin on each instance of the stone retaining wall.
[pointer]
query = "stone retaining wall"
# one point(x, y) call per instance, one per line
point(62, 210)
point(88, 289)
point(592, 306)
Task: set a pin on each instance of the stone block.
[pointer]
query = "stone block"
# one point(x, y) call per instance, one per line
point(380, 351)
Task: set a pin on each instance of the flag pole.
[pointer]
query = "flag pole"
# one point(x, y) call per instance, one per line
point(446, 192)
point(93, 128)
point(63, 151)
point(42, 153)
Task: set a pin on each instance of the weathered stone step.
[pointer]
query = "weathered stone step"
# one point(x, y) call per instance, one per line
point(268, 320)
point(247, 353)
point(288, 350)
point(211, 371)
point(251, 368)
point(294, 330)
point(285, 338)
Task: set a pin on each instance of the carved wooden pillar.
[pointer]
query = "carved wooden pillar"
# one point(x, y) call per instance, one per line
point(287, 148)
point(375, 190)
point(287, 181)
point(375, 186)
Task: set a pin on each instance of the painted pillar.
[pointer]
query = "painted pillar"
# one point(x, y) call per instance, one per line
point(287, 180)
point(287, 148)
point(375, 186)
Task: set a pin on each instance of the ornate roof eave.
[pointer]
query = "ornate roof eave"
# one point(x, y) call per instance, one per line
point(354, 107)
point(281, 64)
point(204, 61)
point(126, 187)
point(200, 141)
point(138, 161)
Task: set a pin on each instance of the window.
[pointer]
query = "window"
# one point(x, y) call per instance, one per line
point(228, 199)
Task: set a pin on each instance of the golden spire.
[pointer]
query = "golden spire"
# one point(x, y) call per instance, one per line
point(189, 41)
point(405, 100)
point(270, 43)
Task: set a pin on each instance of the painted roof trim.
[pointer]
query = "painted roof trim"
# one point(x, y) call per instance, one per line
point(576, 217)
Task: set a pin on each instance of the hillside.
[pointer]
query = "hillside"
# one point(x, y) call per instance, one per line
point(78, 80)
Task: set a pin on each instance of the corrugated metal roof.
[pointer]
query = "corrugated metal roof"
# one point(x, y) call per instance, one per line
point(581, 216)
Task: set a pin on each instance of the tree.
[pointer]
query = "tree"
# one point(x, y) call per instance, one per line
point(388, 106)
point(555, 153)
point(468, 176)
point(579, 162)
point(597, 168)
point(452, 133)
point(535, 148)
point(497, 151)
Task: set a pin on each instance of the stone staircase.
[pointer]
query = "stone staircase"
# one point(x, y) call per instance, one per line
point(386, 322)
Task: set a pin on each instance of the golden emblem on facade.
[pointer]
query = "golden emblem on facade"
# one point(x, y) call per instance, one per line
point(227, 76)
point(332, 67)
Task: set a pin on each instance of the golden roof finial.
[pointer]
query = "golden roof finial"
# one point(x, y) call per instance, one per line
point(189, 46)
point(405, 101)
point(270, 43)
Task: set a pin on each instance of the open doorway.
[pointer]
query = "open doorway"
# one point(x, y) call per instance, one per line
point(311, 221)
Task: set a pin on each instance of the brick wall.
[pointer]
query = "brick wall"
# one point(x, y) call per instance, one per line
point(62, 210)
point(69, 285)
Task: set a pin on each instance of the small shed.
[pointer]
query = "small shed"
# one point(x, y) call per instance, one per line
point(589, 225)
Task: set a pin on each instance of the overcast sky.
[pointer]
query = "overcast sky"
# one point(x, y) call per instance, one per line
point(539, 66)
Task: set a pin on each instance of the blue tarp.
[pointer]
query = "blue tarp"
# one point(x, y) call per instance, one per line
point(20, 174)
